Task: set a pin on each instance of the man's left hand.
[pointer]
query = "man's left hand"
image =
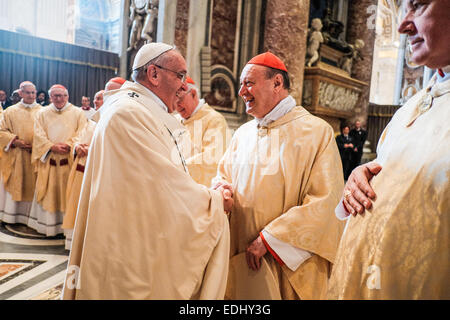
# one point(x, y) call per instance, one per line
point(255, 251)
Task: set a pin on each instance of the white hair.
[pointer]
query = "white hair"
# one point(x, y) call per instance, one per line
point(50, 91)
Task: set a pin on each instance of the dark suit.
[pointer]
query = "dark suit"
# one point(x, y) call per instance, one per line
point(359, 137)
point(346, 153)
point(5, 104)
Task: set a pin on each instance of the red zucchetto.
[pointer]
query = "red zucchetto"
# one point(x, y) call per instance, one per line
point(268, 59)
point(189, 80)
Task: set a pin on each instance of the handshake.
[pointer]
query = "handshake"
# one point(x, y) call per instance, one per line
point(227, 193)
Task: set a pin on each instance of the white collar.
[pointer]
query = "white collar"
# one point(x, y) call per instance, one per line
point(29, 106)
point(60, 110)
point(283, 107)
point(156, 98)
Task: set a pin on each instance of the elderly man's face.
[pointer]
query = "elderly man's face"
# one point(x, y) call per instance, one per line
point(187, 103)
point(59, 97)
point(98, 100)
point(257, 91)
point(2, 95)
point(357, 124)
point(427, 24)
point(171, 84)
point(28, 94)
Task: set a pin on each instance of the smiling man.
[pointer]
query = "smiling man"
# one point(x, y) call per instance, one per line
point(163, 236)
point(286, 175)
point(55, 130)
point(399, 249)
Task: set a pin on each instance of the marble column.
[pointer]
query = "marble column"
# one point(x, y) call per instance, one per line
point(167, 12)
point(124, 33)
point(361, 25)
point(197, 36)
point(285, 33)
point(182, 25)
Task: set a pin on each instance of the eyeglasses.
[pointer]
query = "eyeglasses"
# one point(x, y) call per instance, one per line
point(181, 75)
point(58, 95)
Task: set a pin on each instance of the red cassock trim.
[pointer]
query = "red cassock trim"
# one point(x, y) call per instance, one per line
point(273, 253)
point(441, 73)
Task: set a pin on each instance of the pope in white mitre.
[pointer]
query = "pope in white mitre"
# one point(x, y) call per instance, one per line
point(144, 228)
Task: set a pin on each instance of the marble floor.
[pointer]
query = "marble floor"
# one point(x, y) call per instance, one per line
point(32, 267)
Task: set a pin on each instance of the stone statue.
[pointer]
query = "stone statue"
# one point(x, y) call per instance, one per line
point(315, 39)
point(137, 13)
point(347, 60)
point(152, 13)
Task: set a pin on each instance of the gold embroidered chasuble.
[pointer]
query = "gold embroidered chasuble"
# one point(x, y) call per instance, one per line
point(17, 172)
point(287, 179)
point(76, 178)
point(52, 127)
point(400, 248)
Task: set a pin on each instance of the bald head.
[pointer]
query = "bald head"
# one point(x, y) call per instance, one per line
point(111, 85)
point(98, 99)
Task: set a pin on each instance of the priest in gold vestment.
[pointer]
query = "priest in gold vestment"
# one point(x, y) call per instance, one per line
point(55, 130)
point(207, 138)
point(286, 175)
point(144, 228)
point(80, 152)
point(396, 245)
point(16, 138)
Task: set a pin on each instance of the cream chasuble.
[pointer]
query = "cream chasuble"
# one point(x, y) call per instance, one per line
point(144, 229)
point(287, 179)
point(400, 248)
point(76, 178)
point(208, 131)
point(18, 174)
point(52, 127)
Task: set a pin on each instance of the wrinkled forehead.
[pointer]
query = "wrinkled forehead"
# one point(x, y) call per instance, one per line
point(28, 88)
point(58, 91)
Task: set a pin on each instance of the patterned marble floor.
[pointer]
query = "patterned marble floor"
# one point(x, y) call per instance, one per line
point(32, 267)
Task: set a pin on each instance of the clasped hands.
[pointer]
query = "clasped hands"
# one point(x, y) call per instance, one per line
point(227, 194)
point(60, 148)
point(358, 194)
point(21, 144)
point(256, 250)
point(82, 150)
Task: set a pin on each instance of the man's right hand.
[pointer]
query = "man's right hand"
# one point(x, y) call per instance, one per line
point(227, 193)
point(357, 192)
point(60, 148)
point(22, 144)
point(82, 150)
